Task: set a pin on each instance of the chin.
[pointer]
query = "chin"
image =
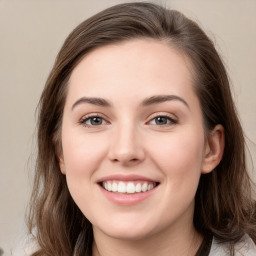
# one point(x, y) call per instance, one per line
point(129, 235)
point(126, 232)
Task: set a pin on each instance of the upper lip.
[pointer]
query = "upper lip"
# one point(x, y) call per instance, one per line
point(130, 177)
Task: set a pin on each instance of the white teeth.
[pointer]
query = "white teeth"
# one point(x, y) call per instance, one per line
point(130, 187)
point(138, 188)
point(121, 188)
point(114, 187)
point(144, 187)
point(150, 186)
point(109, 186)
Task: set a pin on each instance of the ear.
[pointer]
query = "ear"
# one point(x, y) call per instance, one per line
point(62, 164)
point(214, 148)
point(58, 151)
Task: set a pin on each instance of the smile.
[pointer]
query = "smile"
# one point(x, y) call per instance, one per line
point(129, 187)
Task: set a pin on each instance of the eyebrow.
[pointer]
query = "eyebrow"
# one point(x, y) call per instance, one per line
point(95, 101)
point(163, 98)
point(156, 99)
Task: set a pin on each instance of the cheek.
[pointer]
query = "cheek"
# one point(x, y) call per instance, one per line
point(82, 157)
point(82, 154)
point(179, 160)
point(179, 156)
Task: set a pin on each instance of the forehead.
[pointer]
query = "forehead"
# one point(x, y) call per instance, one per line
point(144, 65)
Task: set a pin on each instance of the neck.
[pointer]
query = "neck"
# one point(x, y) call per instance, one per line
point(183, 242)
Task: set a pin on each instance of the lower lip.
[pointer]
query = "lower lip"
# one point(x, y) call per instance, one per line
point(126, 198)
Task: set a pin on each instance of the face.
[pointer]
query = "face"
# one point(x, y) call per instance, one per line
point(133, 139)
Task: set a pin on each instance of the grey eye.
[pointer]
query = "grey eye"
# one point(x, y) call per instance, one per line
point(94, 121)
point(162, 120)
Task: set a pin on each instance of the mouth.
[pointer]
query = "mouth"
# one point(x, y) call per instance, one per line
point(128, 187)
point(127, 190)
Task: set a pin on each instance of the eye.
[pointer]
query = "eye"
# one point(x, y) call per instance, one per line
point(162, 120)
point(93, 121)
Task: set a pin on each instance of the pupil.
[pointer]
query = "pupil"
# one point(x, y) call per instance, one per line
point(161, 120)
point(96, 120)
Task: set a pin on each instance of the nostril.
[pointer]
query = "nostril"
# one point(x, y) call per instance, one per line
point(126, 160)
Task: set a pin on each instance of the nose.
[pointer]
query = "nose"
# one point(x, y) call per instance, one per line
point(126, 146)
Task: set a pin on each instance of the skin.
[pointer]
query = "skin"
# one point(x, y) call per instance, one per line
point(130, 141)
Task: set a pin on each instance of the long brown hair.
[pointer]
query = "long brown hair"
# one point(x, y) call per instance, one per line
point(224, 206)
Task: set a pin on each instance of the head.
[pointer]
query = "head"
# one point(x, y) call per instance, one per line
point(221, 186)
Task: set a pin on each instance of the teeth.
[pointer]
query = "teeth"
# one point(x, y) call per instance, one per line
point(109, 186)
point(114, 187)
point(129, 187)
point(150, 186)
point(121, 188)
point(138, 188)
point(144, 187)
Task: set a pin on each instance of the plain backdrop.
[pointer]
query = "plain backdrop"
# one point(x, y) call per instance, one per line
point(32, 32)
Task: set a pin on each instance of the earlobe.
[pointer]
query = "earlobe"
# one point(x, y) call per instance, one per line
point(214, 149)
point(62, 165)
point(59, 154)
point(58, 151)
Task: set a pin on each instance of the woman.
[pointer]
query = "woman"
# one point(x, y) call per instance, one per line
point(140, 151)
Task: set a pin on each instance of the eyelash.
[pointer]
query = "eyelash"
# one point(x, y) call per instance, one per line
point(90, 117)
point(170, 120)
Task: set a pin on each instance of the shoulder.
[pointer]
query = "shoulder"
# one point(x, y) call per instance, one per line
point(245, 247)
point(24, 248)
